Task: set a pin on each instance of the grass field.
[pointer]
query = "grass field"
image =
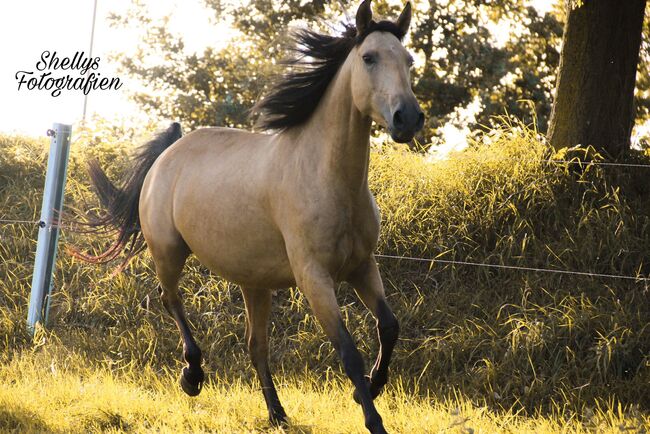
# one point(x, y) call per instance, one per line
point(53, 393)
point(481, 350)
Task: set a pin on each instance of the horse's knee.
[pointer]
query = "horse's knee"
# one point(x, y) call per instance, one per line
point(389, 330)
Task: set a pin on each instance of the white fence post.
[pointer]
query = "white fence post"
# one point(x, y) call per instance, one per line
point(48, 233)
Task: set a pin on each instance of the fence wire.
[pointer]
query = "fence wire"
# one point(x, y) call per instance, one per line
point(438, 261)
point(581, 163)
point(18, 222)
point(468, 263)
point(515, 267)
point(38, 223)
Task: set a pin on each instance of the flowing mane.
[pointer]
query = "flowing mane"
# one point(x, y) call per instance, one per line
point(294, 97)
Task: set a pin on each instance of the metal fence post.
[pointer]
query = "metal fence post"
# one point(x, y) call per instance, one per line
point(48, 233)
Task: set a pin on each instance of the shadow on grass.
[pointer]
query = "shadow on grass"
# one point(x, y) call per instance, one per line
point(263, 425)
point(103, 420)
point(22, 421)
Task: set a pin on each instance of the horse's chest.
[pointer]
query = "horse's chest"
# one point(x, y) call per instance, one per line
point(352, 238)
point(359, 246)
point(365, 232)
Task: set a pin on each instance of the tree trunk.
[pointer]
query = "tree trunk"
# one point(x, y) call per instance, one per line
point(595, 88)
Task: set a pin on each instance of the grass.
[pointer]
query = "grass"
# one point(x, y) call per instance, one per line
point(60, 394)
point(481, 350)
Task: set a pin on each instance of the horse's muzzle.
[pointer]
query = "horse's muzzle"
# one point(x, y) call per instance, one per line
point(406, 120)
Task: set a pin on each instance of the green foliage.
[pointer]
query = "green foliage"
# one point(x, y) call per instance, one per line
point(464, 64)
point(520, 341)
point(211, 88)
point(461, 63)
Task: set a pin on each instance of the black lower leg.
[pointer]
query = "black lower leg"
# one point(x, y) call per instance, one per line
point(259, 358)
point(388, 331)
point(192, 376)
point(354, 369)
point(277, 415)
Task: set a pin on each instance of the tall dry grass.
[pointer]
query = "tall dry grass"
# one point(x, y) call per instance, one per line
point(512, 342)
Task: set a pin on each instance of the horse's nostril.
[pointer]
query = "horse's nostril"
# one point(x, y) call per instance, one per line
point(420, 123)
point(398, 122)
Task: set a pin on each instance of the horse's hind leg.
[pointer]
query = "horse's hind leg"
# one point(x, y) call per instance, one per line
point(169, 265)
point(368, 285)
point(258, 310)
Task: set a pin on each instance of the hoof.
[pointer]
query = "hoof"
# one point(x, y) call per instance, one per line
point(374, 392)
point(192, 381)
point(376, 426)
point(278, 418)
point(378, 430)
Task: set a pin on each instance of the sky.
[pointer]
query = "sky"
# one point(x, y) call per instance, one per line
point(64, 26)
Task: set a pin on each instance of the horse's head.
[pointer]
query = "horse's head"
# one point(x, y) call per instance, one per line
point(381, 86)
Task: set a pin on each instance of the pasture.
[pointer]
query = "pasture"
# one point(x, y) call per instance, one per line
point(481, 349)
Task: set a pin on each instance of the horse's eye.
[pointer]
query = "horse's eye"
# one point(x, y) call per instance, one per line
point(410, 61)
point(368, 59)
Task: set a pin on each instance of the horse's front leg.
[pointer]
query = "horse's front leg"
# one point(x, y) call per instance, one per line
point(318, 286)
point(370, 289)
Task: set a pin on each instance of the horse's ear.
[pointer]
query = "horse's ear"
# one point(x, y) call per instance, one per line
point(404, 20)
point(364, 17)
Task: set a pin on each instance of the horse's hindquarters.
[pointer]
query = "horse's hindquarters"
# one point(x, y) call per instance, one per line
point(214, 195)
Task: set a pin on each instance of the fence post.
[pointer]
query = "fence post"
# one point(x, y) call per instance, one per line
point(48, 232)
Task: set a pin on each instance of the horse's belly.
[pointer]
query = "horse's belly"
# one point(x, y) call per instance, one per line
point(249, 253)
point(260, 269)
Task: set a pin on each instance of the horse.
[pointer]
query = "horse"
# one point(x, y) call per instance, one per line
point(288, 205)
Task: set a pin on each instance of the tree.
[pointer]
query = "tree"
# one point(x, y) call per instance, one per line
point(597, 76)
point(215, 87)
point(465, 65)
point(461, 62)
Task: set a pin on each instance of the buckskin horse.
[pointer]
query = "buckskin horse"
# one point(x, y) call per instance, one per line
point(287, 206)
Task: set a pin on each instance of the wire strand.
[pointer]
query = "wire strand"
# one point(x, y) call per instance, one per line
point(589, 163)
point(516, 267)
point(580, 162)
point(39, 223)
point(443, 261)
point(17, 222)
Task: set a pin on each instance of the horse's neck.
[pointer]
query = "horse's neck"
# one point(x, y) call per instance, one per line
point(339, 134)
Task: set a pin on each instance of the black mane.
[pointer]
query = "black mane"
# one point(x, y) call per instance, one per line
point(293, 99)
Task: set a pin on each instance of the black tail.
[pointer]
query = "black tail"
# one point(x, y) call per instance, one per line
point(121, 216)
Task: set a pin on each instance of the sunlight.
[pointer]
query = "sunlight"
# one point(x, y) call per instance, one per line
point(189, 19)
point(32, 112)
